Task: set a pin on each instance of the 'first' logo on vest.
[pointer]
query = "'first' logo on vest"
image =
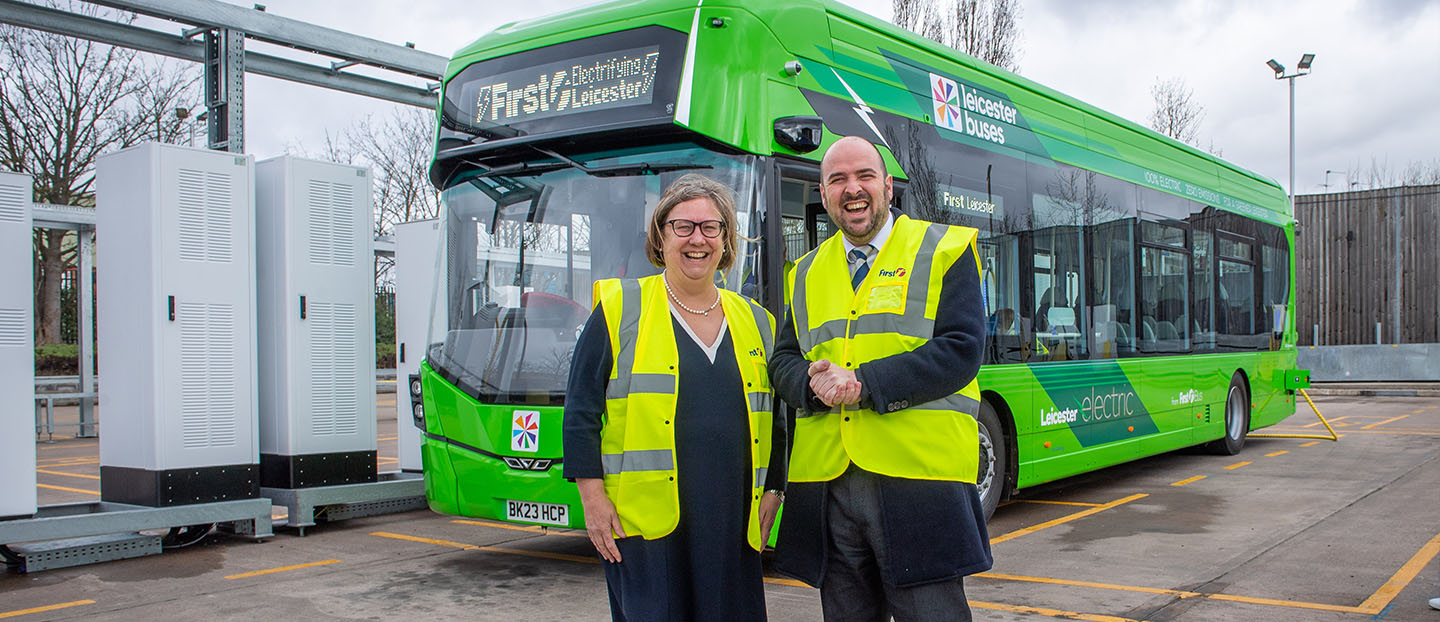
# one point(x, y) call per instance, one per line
point(894, 272)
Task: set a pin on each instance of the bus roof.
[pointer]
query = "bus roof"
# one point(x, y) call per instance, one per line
point(871, 52)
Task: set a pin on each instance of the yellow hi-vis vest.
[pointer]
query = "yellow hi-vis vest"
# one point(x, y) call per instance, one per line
point(891, 312)
point(637, 440)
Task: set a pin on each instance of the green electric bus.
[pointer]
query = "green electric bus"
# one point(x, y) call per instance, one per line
point(1139, 292)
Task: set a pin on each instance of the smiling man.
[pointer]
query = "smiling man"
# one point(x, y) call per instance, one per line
point(880, 348)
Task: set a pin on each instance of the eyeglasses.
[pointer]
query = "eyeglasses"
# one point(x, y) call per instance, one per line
point(685, 228)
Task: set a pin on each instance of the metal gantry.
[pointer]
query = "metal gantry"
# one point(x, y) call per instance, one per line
point(222, 51)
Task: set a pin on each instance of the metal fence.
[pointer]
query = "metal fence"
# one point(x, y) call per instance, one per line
point(1367, 259)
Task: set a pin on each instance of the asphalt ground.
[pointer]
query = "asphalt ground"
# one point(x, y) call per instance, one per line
point(1290, 529)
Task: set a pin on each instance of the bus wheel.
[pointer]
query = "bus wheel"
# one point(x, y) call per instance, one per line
point(991, 477)
point(1237, 419)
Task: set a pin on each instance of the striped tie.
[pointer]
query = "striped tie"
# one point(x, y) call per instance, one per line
point(860, 254)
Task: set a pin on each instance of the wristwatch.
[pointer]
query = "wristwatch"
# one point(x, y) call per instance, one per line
point(780, 494)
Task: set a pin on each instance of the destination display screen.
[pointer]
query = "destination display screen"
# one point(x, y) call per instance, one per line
point(595, 82)
point(585, 85)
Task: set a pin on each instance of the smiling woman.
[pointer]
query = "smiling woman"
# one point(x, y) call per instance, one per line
point(668, 427)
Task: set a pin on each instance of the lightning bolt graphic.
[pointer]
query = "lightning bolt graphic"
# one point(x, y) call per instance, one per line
point(861, 108)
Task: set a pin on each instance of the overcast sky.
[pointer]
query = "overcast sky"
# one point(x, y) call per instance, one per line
point(1373, 96)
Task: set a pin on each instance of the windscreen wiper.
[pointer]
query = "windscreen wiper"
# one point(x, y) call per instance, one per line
point(621, 170)
point(524, 169)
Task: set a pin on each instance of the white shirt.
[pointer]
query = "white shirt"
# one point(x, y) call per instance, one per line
point(712, 349)
point(876, 243)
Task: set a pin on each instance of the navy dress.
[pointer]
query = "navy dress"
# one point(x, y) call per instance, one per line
point(705, 569)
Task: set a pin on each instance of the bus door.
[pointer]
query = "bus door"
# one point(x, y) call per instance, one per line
point(802, 225)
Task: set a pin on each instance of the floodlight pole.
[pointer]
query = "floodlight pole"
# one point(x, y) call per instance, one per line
point(1302, 69)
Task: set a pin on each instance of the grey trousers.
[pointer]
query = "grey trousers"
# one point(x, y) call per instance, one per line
point(853, 588)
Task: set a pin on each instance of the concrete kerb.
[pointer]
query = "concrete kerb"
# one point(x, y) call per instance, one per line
point(1374, 389)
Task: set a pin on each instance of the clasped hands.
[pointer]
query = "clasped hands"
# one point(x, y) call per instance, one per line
point(833, 384)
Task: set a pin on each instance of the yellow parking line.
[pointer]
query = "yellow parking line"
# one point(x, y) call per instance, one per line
point(1190, 480)
point(1402, 577)
point(1182, 594)
point(1236, 465)
point(1380, 423)
point(1385, 431)
point(21, 612)
point(65, 446)
point(1085, 505)
point(492, 549)
point(1331, 420)
point(1091, 584)
point(1054, 613)
point(1274, 602)
point(528, 528)
point(88, 492)
point(1065, 519)
point(48, 472)
point(257, 573)
point(1276, 453)
point(66, 461)
point(1311, 444)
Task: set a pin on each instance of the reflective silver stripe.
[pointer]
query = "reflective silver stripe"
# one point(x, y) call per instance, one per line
point(920, 282)
point(805, 412)
point(889, 323)
point(760, 474)
point(799, 314)
point(762, 323)
point(759, 402)
point(643, 383)
point(955, 402)
point(638, 460)
point(629, 332)
point(834, 329)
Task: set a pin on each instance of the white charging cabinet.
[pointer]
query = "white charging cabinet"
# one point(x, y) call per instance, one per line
point(416, 246)
point(314, 256)
point(176, 336)
point(17, 353)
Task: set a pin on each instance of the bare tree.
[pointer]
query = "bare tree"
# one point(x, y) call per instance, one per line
point(63, 103)
point(989, 30)
point(1420, 173)
point(1176, 113)
point(397, 148)
point(986, 29)
point(909, 14)
point(1380, 174)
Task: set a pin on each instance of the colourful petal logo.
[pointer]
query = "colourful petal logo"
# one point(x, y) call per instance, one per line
point(525, 431)
point(945, 96)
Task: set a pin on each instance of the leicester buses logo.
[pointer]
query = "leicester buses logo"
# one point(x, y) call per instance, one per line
point(945, 98)
point(525, 430)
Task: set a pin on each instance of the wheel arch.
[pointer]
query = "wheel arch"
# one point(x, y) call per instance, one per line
point(1249, 396)
point(1012, 457)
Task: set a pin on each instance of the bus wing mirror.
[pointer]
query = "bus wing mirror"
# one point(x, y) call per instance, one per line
point(800, 134)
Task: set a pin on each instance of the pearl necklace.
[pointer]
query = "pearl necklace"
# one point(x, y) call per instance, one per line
point(704, 312)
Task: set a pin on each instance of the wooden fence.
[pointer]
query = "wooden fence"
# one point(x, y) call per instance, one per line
point(1367, 257)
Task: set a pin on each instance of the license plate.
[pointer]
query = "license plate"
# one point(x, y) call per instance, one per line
point(532, 512)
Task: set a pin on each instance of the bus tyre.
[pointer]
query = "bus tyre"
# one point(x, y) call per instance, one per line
point(1237, 419)
point(991, 477)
